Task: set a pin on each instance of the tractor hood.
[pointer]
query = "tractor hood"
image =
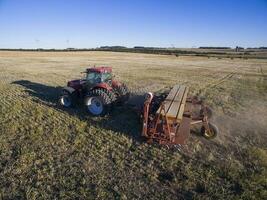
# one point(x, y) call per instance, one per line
point(115, 83)
point(76, 84)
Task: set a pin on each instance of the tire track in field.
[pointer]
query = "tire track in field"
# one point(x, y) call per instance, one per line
point(219, 81)
point(261, 70)
point(264, 77)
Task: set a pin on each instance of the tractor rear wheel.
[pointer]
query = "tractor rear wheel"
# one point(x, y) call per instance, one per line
point(98, 102)
point(122, 92)
point(111, 95)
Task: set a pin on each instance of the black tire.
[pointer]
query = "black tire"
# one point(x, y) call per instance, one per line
point(214, 131)
point(209, 112)
point(98, 102)
point(66, 99)
point(122, 93)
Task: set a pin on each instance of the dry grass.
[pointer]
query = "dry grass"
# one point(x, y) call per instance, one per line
point(48, 152)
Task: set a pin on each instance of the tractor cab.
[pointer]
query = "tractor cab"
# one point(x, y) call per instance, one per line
point(98, 75)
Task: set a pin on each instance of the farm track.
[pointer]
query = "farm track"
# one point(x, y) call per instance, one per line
point(219, 81)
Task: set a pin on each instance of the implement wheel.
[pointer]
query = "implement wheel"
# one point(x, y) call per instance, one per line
point(211, 133)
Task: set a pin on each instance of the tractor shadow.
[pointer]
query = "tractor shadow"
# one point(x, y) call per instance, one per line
point(41, 93)
point(122, 119)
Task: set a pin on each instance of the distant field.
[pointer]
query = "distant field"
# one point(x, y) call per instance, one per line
point(47, 152)
point(223, 52)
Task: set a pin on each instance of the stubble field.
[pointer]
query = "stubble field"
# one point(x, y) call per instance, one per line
point(48, 152)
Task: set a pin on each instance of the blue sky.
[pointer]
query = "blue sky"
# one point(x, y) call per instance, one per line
point(162, 23)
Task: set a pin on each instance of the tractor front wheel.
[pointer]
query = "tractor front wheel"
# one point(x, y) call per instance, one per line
point(66, 100)
point(98, 102)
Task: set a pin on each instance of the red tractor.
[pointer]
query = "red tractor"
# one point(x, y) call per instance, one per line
point(98, 90)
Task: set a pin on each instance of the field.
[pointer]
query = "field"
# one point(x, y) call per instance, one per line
point(47, 152)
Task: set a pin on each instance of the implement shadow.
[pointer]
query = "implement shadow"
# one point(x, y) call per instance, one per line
point(121, 119)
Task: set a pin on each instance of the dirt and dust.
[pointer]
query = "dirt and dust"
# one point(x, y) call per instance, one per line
point(247, 126)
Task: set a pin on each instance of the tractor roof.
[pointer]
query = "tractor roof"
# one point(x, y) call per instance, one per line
point(100, 69)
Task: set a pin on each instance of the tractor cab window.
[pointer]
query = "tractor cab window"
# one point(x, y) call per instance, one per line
point(106, 77)
point(93, 77)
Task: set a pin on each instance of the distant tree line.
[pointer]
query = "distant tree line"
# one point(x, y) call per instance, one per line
point(142, 49)
point(214, 47)
point(113, 47)
point(125, 48)
point(163, 51)
point(48, 50)
point(257, 48)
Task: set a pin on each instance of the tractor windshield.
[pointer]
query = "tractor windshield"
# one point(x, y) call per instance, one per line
point(106, 77)
point(96, 77)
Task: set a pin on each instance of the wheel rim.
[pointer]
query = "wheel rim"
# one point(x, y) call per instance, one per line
point(209, 133)
point(65, 101)
point(95, 106)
